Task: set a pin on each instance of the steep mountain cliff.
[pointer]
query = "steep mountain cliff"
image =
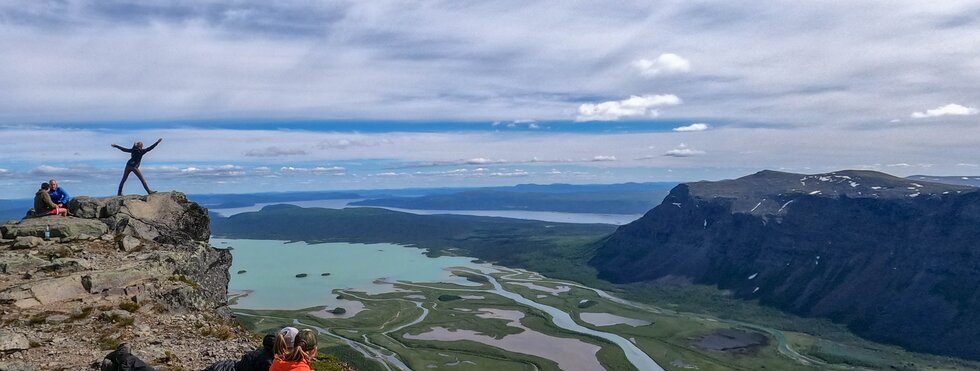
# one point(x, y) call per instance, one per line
point(897, 260)
point(133, 269)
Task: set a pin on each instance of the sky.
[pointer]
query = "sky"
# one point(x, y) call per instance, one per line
point(313, 95)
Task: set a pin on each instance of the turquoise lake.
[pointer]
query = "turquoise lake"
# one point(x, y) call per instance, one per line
point(271, 268)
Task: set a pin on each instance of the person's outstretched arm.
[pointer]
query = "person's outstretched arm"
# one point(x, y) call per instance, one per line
point(150, 148)
point(121, 148)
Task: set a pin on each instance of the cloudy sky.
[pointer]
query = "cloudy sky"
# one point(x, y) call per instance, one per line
point(287, 95)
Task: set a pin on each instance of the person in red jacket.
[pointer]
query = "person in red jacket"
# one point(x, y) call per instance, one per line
point(298, 358)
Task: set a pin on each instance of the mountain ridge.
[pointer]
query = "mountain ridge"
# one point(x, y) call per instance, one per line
point(820, 245)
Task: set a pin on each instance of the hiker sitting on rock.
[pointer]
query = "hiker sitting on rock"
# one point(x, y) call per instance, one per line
point(58, 195)
point(43, 204)
point(256, 360)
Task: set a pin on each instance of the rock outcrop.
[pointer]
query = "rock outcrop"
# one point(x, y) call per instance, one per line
point(894, 259)
point(135, 269)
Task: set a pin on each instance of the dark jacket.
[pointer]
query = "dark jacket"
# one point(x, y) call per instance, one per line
point(42, 203)
point(259, 359)
point(136, 154)
point(256, 360)
point(122, 360)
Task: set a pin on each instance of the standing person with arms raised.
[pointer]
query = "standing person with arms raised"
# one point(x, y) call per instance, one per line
point(133, 165)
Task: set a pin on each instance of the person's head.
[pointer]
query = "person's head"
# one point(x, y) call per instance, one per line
point(45, 186)
point(53, 183)
point(284, 341)
point(304, 347)
point(138, 145)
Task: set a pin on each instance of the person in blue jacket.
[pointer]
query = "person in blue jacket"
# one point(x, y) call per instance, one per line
point(58, 195)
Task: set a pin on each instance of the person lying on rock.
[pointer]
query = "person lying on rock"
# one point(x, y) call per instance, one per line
point(303, 351)
point(43, 204)
point(58, 194)
point(133, 165)
point(256, 360)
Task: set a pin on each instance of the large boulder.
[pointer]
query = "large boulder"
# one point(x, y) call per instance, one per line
point(20, 263)
point(11, 341)
point(61, 227)
point(88, 207)
point(165, 217)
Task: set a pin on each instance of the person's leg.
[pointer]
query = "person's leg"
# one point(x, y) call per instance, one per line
point(139, 174)
point(123, 181)
point(62, 211)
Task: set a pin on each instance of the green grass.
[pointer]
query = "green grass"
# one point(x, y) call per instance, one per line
point(560, 251)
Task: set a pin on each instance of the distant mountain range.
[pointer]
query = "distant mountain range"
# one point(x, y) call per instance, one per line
point(896, 259)
point(611, 201)
point(973, 181)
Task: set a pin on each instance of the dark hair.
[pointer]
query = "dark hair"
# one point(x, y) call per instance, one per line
point(304, 347)
point(45, 186)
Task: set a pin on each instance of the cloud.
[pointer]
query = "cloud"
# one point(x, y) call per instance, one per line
point(274, 151)
point(900, 164)
point(601, 158)
point(634, 106)
point(951, 109)
point(964, 164)
point(683, 150)
point(665, 64)
point(334, 170)
point(345, 143)
point(482, 161)
point(693, 127)
point(515, 173)
point(526, 123)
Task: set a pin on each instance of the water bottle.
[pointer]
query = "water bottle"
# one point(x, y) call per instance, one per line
point(47, 233)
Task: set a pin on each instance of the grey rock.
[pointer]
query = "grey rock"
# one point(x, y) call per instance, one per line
point(56, 319)
point(165, 217)
point(20, 263)
point(67, 265)
point(129, 243)
point(115, 315)
point(26, 242)
point(103, 281)
point(11, 341)
point(70, 227)
point(58, 289)
point(87, 207)
point(16, 366)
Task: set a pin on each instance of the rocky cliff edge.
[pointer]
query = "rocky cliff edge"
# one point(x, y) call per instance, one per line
point(131, 269)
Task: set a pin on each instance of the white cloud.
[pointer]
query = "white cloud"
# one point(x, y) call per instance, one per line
point(683, 150)
point(951, 109)
point(601, 158)
point(967, 164)
point(900, 164)
point(693, 127)
point(482, 161)
point(335, 170)
point(273, 151)
point(634, 106)
point(665, 64)
point(515, 173)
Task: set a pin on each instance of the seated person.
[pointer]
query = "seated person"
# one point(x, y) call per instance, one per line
point(43, 204)
point(304, 348)
point(256, 360)
point(58, 194)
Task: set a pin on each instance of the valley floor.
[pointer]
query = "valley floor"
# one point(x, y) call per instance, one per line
point(446, 326)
